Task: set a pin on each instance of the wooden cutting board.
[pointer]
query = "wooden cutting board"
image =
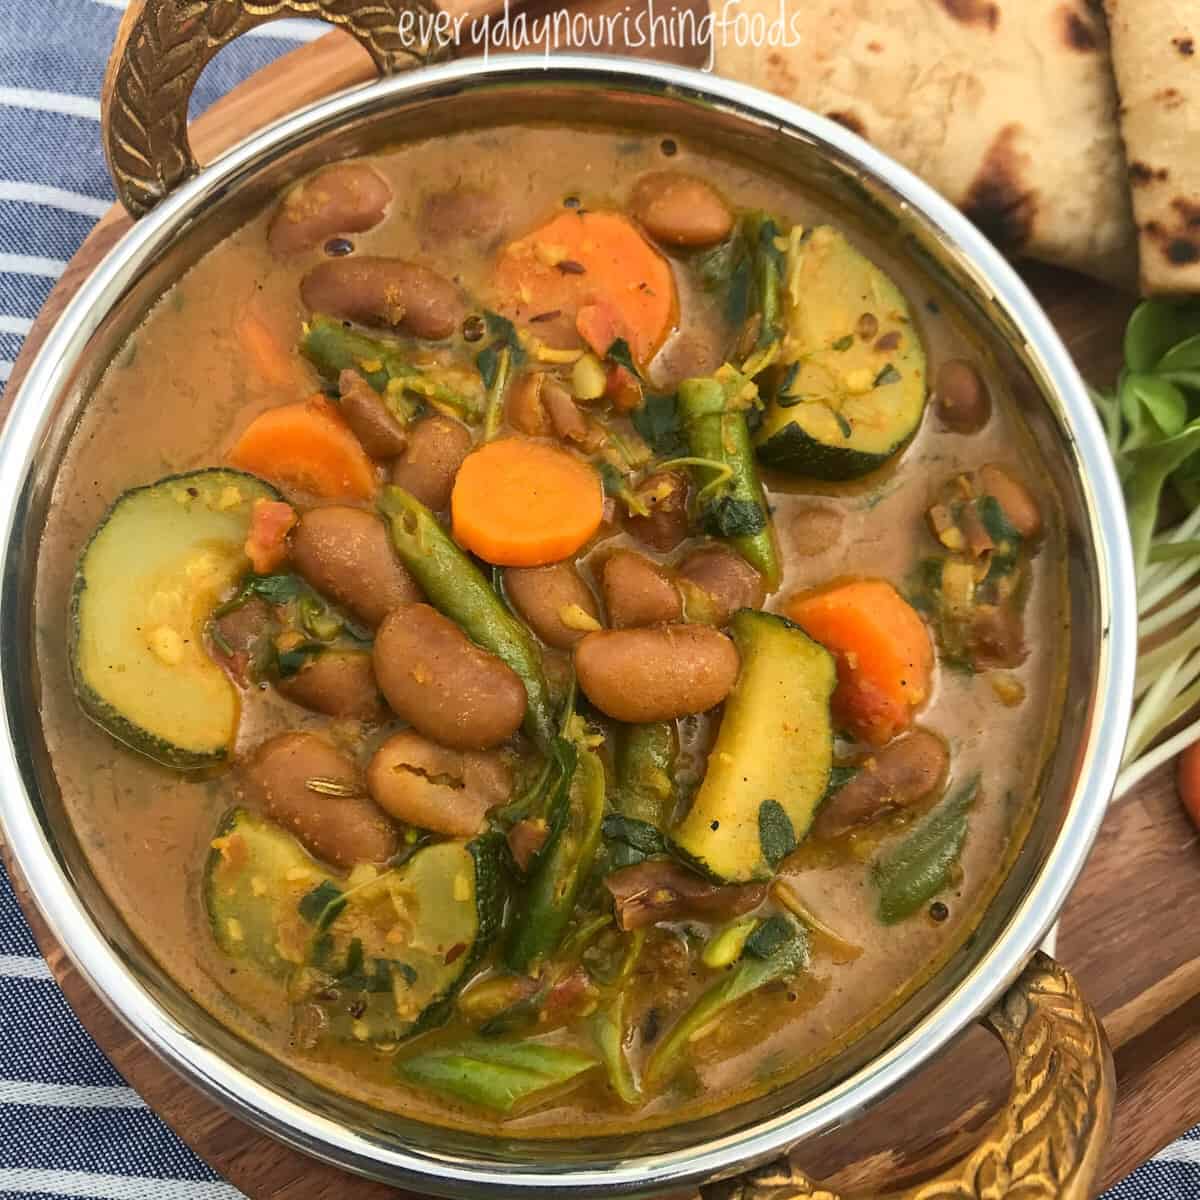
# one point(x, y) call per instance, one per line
point(1126, 932)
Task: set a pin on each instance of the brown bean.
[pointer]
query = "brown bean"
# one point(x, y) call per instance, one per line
point(423, 784)
point(665, 494)
point(685, 356)
point(524, 408)
point(385, 291)
point(343, 830)
point(545, 597)
point(640, 675)
point(728, 580)
point(436, 448)
point(1014, 497)
point(348, 197)
point(568, 423)
point(462, 212)
point(637, 591)
point(338, 683)
point(242, 639)
point(370, 420)
point(903, 773)
point(961, 397)
point(680, 209)
point(812, 530)
point(347, 555)
point(997, 637)
point(444, 685)
point(661, 890)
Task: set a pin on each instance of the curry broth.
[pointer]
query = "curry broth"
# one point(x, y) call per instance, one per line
point(175, 398)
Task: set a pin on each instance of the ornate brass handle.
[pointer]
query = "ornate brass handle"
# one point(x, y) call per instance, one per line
point(163, 45)
point(1048, 1141)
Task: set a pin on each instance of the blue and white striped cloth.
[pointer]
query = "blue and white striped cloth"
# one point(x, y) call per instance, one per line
point(69, 1126)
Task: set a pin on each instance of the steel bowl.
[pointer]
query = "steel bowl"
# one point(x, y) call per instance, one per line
point(880, 197)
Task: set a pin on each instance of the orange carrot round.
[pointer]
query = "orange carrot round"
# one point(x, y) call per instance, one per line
point(307, 446)
point(1187, 778)
point(597, 270)
point(519, 503)
point(883, 651)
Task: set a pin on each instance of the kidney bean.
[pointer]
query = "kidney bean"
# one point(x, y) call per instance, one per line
point(346, 554)
point(729, 581)
point(685, 356)
point(524, 408)
point(961, 397)
point(665, 494)
point(338, 683)
point(656, 674)
point(462, 212)
point(385, 291)
point(423, 784)
point(568, 423)
point(444, 685)
point(348, 197)
point(436, 448)
point(903, 773)
point(812, 530)
point(343, 830)
point(549, 599)
point(1014, 497)
point(370, 420)
point(637, 591)
point(680, 209)
point(242, 639)
point(661, 890)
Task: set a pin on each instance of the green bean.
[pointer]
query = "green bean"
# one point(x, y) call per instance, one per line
point(332, 348)
point(455, 586)
point(784, 952)
point(562, 865)
point(645, 763)
point(733, 505)
point(496, 1075)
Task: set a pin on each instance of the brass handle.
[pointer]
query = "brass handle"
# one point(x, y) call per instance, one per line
point(1046, 1144)
point(163, 45)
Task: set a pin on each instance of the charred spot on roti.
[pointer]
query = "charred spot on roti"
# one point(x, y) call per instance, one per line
point(1080, 35)
point(999, 201)
point(850, 121)
point(1141, 174)
point(1169, 97)
point(973, 12)
point(1182, 252)
point(1180, 244)
point(780, 77)
point(1185, 45)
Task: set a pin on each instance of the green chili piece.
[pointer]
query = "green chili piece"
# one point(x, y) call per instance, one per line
point(787, 956)
point(919, 868)
point(456, 587)
point(717, 432)
point(645, 763)
point(562, 866)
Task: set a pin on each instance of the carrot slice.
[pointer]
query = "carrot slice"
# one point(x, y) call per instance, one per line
point(519, 503)
point(307, 446)
point(884, 655)
point(266, 544)
point(269, 358)
point(597, 270)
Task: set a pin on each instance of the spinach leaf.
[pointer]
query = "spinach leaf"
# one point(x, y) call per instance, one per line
point(657, 420)
point(728, 517)
point(321, 906)
point(776, 835)
point(919, 867)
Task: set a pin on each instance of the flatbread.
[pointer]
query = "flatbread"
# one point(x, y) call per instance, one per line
point(1006, 106)
point(1156, 59)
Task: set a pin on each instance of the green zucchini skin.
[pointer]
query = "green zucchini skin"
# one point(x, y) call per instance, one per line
point(234, 524)
point(769, 768)
point(851, 386)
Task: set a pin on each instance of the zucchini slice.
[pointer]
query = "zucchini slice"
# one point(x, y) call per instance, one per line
point(145, 585)
point(406, 942)
point(769, 767)
point(383, 957)
point(853, 381)
point(254, 881)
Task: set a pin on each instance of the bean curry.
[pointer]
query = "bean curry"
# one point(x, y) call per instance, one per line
point(551, 649)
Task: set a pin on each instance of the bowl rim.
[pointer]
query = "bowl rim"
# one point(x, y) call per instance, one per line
point(225, 1081)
